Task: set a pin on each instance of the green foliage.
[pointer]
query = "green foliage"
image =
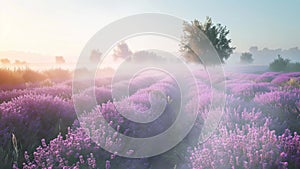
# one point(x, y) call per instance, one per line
point(216, 33)
point(246, 58)
point(279, 64)
point(284, 65)
point(6, 157)
point(293, 67)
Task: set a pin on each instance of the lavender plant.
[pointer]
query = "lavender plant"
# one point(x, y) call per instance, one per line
point(249, 147)
point(33, 117)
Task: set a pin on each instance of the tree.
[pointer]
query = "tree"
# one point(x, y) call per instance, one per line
point(246, 58)
point(59, 60)
point(122, 51)
point(193, 38)
point(279, 64)
point(5, 61)
point(95, 56)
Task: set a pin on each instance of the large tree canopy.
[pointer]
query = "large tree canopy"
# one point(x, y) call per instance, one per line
point(193, 39)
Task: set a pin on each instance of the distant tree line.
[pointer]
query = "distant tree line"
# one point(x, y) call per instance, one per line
point(58, 60)
point(7, 61)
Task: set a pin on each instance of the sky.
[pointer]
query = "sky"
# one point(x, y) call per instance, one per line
point(60, 27)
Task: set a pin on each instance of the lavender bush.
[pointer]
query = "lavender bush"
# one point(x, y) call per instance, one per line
point(33, 117)
point(249, 147)
point(282, 107)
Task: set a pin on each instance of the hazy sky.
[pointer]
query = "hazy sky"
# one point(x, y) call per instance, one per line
point(58, 27)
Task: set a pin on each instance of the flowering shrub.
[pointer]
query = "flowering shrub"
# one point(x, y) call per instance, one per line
point(266, 77)
point(102, 136)
point(33, 117)
point(31, 112)
point(290, 149)
point(290, 79)
point(281, 79)
point(102, 94)
point(76, 151)
point(248, 91)
point(79, 151)
point(249, 147)
point(7, 95)
point(83, 99)
point(61, 91)
point(283, 101)
point(282, 107)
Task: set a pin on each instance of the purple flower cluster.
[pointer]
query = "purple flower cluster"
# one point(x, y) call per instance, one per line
point(75, 151)
point(36, 115)
point(266, 77)
point(290, 148)
point(249, 147)
point(84, 98)
point(248, 90)
point(61, 91)
point(282, 79)
point(284, 101)
point(33, 117)
point(282, 107)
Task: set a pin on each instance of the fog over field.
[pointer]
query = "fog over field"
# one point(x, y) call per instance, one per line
point(146, 84)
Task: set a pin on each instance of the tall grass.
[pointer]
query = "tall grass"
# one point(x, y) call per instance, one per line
point(17, 78)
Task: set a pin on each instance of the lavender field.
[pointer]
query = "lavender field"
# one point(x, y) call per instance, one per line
point(39, 127)
point(149, 84)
